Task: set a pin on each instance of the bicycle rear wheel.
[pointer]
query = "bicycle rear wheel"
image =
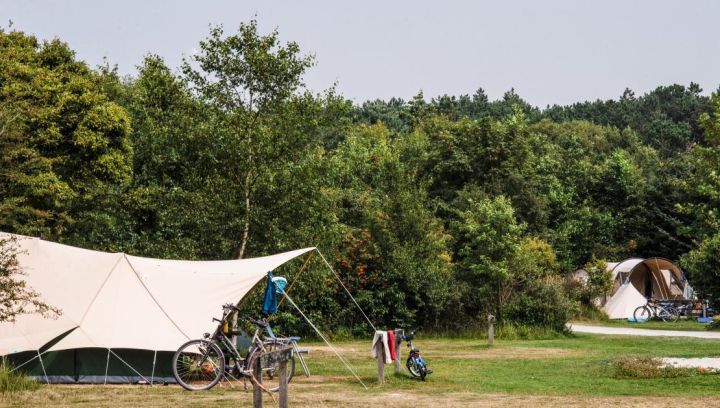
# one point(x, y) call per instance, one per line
point(669, 314)
point(642, 314)
point(271, 374)
point(198, 365)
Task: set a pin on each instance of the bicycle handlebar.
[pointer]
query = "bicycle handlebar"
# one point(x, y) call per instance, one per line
point(230, 306)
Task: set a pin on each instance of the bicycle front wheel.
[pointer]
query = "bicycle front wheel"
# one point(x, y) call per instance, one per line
point(198, 365)
point(271, 374)
point(642, 314)
point(414, 371)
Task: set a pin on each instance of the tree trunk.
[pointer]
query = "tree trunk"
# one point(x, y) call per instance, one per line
point(248, 180)
point(246, 226)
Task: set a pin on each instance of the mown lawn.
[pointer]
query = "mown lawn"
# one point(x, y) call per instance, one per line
point(682, 324)
point(568, 371)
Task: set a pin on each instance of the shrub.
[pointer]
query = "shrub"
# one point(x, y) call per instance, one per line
point(543, 303)
point(648, 367)
point(599, 281)
point(515, 331)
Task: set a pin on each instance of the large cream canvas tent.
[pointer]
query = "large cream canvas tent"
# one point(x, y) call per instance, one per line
point(122, 316)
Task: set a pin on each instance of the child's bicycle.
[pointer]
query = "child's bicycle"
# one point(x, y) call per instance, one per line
point(415, 363)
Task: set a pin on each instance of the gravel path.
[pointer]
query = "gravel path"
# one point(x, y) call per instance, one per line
point(582, 328)
point(705, 362)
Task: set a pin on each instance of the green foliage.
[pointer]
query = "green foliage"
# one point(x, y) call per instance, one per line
point(433, 213)
point(64, 143)
point(599, 282)
point(702, 183)
point(247, 79)
point(514, 278)
point(600, 279)
point(487, 241)
point(384, 213)
point(666, 118)
point(703, 267)
point(542, 302)
point(12, 381)
point(16, 297)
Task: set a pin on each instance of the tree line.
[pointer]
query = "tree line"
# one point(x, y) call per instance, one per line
point(432, 212)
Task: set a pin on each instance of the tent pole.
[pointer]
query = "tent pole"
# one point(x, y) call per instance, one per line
point(346, 290)
point(129, 366)
point(15, 368)
point(107, 365)
point(669, 294)
point(152, 376)
point(307, 261)
point(661, 287)
point(47, 381)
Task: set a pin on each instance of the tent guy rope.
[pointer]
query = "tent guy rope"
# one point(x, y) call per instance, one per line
point(347, 364)
point(346, 290)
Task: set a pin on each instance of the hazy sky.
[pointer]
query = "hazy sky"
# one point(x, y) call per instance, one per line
point(549, 51)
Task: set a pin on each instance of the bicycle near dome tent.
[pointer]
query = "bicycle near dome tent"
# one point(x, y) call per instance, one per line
point(657, 309)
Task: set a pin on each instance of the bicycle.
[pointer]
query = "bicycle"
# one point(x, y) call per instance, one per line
point(664, 311)
point(415, 363)
point(200, 364)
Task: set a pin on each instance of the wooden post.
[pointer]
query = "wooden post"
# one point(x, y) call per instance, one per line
point(380, 352)
point(491, 329)
point(279, 357)
point(257, 391)
point(398, 342)
point(283, 403)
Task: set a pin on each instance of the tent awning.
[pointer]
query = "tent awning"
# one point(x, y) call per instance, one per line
point(121, 301)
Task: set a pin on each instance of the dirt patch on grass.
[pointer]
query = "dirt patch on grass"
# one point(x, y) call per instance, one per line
point(514, 352)
point(410, 400)
point(134, 396)
point(474, 352)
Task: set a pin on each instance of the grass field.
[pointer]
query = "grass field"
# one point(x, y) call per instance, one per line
point(682, 324)
point(573, 371)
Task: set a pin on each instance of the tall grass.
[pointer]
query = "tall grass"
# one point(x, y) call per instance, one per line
point(12, 381)
point(590, 313)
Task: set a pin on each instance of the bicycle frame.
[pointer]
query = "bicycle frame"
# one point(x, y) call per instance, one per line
point(657, 308)
point(256, 342)
point(200, 364)
point(227, 346)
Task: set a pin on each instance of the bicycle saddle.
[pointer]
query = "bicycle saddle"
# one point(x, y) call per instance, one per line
point(258, 323)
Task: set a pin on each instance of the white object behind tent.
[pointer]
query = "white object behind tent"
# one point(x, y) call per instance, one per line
point(119, 301)
point(624, 302)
